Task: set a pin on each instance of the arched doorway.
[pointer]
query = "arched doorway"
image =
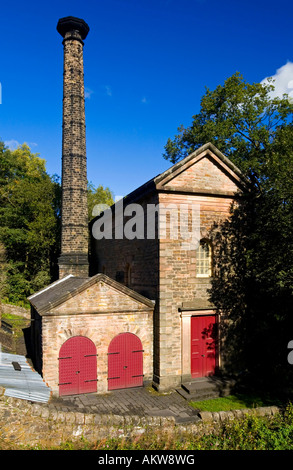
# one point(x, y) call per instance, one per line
point(125, 362)
point(77, 366)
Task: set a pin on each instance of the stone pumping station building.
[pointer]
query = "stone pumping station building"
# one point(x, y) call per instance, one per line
point(130, 311)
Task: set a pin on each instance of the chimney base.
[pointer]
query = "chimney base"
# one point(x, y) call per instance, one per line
point(73, 263)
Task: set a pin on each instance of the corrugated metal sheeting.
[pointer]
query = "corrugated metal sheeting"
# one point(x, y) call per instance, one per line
point(20, 380)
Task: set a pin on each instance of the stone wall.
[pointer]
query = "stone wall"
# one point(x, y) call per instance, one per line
point(15, 310)
point(179, 284)
point(100, 329)
point(74, 236)
point(99, 313)
point(114, 257)
point(31, 424)
point(165, 267)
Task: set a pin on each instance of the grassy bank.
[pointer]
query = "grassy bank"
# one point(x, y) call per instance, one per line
point(235, 402)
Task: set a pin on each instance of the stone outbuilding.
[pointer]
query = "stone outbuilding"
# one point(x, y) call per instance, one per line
point(91, 335)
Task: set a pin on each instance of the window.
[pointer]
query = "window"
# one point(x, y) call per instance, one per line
point(204, 259)
point(128, 275)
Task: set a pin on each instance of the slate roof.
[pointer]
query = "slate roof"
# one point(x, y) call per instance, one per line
point(61, 290)
point(48, 296)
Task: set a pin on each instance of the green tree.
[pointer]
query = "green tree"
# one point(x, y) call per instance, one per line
point(97, 197)
point(253, 258)
point(29, 220)
point(242, 121)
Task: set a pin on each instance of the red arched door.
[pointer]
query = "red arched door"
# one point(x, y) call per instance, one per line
point(77, 366)
point(125, 362)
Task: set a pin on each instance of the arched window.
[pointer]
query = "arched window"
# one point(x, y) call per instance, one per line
point(128, 275)
point(204, 259)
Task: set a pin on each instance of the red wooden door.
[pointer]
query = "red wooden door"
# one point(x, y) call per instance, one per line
point(203, 345)
point(77, 366)
point(125, 362)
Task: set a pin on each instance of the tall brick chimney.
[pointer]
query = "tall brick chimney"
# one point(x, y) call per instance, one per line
point(74, 235)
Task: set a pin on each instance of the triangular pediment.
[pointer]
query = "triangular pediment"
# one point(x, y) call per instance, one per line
point(98, 294)
point(205, 171)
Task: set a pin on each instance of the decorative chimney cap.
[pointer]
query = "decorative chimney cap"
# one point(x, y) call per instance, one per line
point(70, 23)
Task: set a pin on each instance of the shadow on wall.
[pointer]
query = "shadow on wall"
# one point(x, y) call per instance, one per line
point(256, 310)
point(27, 342)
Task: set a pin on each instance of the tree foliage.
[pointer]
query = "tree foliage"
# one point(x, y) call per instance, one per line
point(241, 120)
point(30, 222)
point(96, 197)
point(252, 284)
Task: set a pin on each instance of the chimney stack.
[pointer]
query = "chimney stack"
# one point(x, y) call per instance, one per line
point(74, 217)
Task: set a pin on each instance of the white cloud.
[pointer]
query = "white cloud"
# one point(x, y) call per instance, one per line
point(144, 100)
point(87, 93)
point(108, 90)
point(283, 81)
point(12, 144)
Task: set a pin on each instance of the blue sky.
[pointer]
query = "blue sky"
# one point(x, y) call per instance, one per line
point(147, 63)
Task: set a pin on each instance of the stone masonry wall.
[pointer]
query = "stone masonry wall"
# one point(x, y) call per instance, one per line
point(114, 256)
point(15, 310)
point(205, 175)
point(74, 238)
point(32, 424)
point(166, 268)
point(178, 282)
point(99, 314)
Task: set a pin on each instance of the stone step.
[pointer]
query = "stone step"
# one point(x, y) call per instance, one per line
point(200, 389)
point(197, 396)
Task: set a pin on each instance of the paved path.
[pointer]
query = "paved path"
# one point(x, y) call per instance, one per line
point(135, 401)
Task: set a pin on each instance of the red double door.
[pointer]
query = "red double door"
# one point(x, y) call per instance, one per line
point(203, 345)
point(77, 366)
point(125, 362)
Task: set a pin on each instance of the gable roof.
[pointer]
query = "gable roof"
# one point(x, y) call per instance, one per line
point(207, 150)
point(157, 183)
point(60, 291)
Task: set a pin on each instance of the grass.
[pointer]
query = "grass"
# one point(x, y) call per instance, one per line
point(233, 402)
point(17, 322)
